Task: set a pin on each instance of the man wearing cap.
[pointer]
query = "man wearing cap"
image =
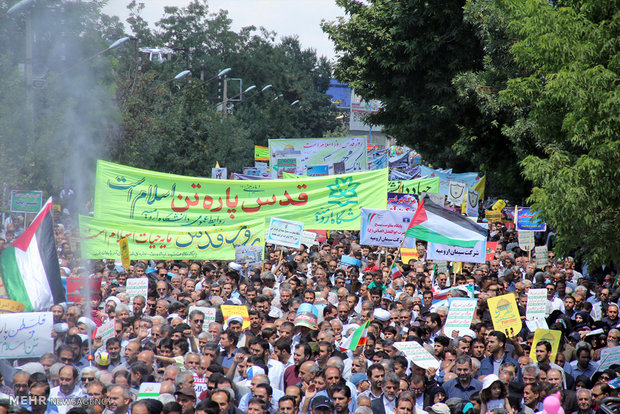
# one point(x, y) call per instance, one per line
point(438, 408)
point(387, 403)
point(186, 396)
point(321, 405)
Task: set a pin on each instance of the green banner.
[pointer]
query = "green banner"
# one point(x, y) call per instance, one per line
point(26, 201)
point(124, 194)
point(421, 185)
point(100, 240)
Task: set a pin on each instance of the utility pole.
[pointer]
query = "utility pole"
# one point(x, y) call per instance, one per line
point(225, 97)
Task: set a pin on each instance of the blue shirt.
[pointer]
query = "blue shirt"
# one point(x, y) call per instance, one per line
point(454, 389)
point(588, 372)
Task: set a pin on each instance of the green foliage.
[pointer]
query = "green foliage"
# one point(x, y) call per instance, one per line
point(572, 101)
point(406, 54)
point(173, 126)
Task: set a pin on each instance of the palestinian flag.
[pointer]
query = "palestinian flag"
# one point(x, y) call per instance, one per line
point(29, 266)
point(435, 224)
point(357, 338)
point(261, 153)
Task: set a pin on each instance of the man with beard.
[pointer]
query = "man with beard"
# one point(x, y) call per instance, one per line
point(463, 386)
point(341, 396)
point(302, 353)
point(68, 389)
point(387, 403)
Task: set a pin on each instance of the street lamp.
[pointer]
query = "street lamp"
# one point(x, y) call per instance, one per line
point(181, 75)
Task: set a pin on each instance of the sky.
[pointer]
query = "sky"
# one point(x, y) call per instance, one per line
point(285, 17)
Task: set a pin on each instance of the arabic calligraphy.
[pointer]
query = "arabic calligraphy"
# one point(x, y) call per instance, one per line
point(25, 335)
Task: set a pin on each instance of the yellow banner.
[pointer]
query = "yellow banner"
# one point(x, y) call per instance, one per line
point(124, 245)
point(505, 314)
point(231, 310)
point(549, 335)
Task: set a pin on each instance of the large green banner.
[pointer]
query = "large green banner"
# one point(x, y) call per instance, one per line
point(124, 194)
point(420, 185)
point(100, 240)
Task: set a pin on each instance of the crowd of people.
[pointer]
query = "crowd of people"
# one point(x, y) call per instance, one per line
point(273, 362)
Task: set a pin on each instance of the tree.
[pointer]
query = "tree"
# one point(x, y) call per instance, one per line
point(571, 102)
point(406, 54)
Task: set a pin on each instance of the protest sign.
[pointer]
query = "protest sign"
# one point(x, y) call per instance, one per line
point(219, 173)
point(542, 256)
point(253, 255)
point(402, 202)
point(457, 191)
point(231, 310)
point(285, 233)
point(106, 330)
point(526, 220)
point(349, 261)
point(417, 186)
point(549, 335)
point(209, 314)
point(10, 306)
point(536, 304)
point(472, 203)
point(526, 240)
point(137, 286)
point(308, 238)
point(407, 254)
point(490, 251)
point(124, 246)
point(383, 227)
point(149, 390)
point(126, 195)
point(505, 314)
point(26, 335)
point(317, 170)
point(351, 151)
point(26, 201)
point(417, 354)
point(609, 357)
point(460, 313)
point(100, 240)
point(540, 323)
point(476, 254)
point(493, 216)
point(471, 179)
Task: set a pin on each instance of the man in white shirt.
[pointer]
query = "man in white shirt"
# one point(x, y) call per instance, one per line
point(67, 389)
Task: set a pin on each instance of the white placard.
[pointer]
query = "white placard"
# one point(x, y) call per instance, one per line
point(219, 173)
point(609, 357)
point(457, 192)
point(383, 227)
point(536, 304)
point(26, 335)
point(476, 254)
point(106, 330)
point(417, 354)
point(285, 233)
point(526, 239)
point(149, 390)
point(460, 313)
point(542, 256)
point(308, 238)
point(137, 286)
point(253, 255)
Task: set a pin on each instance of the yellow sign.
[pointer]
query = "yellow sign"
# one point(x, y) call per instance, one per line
point(124, 244)
point(11, 306)
point(493, 216)
point(408, 254)
point(505, 314)
point(549, 335)
point(230, 310)
point(499, 205)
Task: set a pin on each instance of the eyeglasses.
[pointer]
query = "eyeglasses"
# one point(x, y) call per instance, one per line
point(88, 379)
point(66, 359)
point(198, 320)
